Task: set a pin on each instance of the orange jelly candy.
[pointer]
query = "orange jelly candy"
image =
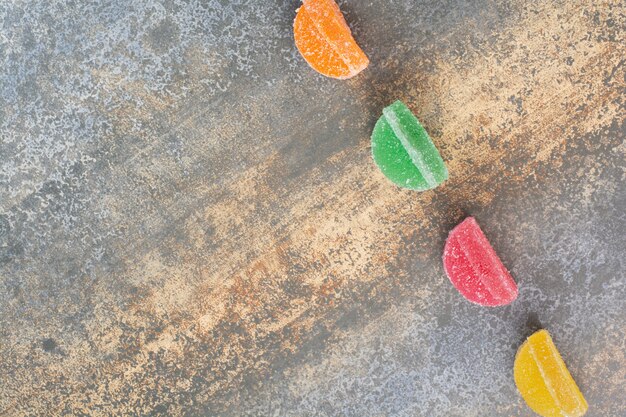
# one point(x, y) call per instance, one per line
point(544, 381)
point(325, 41)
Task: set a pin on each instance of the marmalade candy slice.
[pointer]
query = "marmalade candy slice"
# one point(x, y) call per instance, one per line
point(404, 152)
point(544, 381)
point(475, 269)
point(324, 39)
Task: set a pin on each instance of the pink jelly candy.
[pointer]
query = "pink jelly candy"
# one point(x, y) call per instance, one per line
point(475, 269)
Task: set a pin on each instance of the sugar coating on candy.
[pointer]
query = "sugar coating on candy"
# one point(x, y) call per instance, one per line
point(544, 381)
point(324, 39)
point(475, 269)
point(404, 152)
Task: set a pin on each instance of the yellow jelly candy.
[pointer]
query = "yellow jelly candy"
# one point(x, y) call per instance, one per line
point(544, 381)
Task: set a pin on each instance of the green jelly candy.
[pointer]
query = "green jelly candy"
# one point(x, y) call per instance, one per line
point(404, 152)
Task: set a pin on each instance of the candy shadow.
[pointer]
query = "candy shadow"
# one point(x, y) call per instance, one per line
point(532, 325)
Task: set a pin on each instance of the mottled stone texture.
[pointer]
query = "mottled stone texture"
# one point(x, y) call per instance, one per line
point(191, 222)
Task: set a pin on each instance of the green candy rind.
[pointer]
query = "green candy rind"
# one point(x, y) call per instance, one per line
point(404, 152)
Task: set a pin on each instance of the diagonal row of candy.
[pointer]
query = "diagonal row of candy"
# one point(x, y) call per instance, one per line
point(406, 155)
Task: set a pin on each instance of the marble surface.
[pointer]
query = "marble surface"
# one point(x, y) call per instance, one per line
point(191, 223)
